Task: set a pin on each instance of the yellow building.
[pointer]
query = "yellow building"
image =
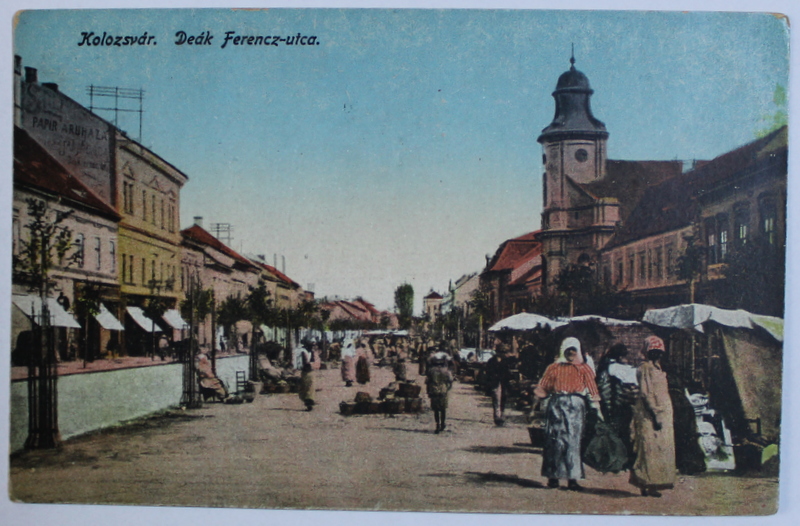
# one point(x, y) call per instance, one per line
point(148, 199)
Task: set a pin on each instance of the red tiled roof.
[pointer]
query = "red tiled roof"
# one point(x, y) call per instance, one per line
point(516, 251)
point(278, 274)
point(198, 234)
point(36, 168)
point(369, 306)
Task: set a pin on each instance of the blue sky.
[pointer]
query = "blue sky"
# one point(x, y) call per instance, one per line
point(403, 146)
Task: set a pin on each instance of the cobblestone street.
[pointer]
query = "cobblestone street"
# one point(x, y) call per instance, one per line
point(273, 454)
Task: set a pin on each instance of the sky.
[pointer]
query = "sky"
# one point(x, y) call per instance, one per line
point(402, 147)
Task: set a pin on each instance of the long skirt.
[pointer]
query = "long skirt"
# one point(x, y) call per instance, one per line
point(349, 369)
point(306, 391)
point(561, 456)
point(655, 450)
point(362, 370)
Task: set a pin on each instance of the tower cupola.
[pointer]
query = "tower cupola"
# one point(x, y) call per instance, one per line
point(573, 118)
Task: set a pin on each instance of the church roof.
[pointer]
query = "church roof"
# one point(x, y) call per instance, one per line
point(627, 181)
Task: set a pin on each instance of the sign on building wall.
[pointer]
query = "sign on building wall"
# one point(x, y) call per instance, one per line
point(77, 139)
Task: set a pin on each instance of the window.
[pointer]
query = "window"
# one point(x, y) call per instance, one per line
point(670, 265)
point(79, 250)
point(112, 252)
point(153, 201)
point(620, 276)
point(769, 214)
point(130, 270)
point(163, 222)
point(724, 239)
point(657, 268)
point(581, 155)
point(631, 269)
point(144, 272)
point(144, 205)
point(711, 241)
point(98, 245)
point(124, 267)
point(741, 225)
point(642, 266)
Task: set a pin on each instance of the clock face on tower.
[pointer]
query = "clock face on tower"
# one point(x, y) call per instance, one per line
point(581, 155)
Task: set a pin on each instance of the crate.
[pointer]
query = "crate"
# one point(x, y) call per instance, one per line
point(408, 390)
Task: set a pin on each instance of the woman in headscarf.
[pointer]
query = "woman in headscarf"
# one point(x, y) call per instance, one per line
point(616, 381)
point(349, 363)
point(306, 391)
point(362, 363)
point(566, 384)
point(654, 441)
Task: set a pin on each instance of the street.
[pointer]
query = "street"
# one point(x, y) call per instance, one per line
point(273, 454)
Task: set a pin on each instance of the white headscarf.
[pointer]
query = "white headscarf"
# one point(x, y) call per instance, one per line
point(570, 343)
point(348, 349)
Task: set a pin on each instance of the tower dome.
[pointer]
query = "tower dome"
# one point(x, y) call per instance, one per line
point(573, 118)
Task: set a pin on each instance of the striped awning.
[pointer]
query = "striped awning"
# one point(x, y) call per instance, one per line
point(174, 319)
point(108, 320)
point(31, 305)
point(143, 321)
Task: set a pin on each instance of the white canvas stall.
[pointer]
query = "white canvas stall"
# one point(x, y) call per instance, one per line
point(107, 320)
point(143, 321)
point(525, 321)
point(32, 305)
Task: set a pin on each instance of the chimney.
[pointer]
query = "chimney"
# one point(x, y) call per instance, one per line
point(283, 264)
point(50, 85)
point(198, 220)
point(31, 76)
point(275, 260)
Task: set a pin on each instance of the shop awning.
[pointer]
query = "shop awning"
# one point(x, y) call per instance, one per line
point(107, 320)
point(143, 321)
point(32, 305)
point(174, 320)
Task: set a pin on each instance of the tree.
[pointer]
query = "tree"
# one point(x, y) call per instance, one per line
point(577, 282)
point(754, 278)
point(691, 264)
point(780, 117)
point(49, 243)
point(404, 304)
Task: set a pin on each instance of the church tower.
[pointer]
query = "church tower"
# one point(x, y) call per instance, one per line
point(574, 155)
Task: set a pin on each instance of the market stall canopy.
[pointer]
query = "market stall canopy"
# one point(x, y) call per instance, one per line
point(143, 321)
point(107, 320)
point(694, 315)
point(31, 305)
point(601, 319)
point(174, 320)
point(525, 321)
